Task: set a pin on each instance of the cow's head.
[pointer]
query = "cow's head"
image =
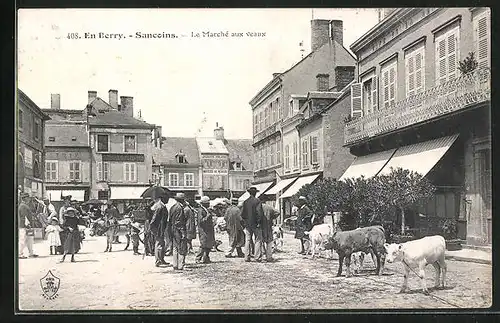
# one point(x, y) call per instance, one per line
point(329, 243)
point(394, 252)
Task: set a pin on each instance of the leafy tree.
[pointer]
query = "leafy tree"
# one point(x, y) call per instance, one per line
point(469, 64)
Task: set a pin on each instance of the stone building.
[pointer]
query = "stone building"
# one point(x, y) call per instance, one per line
point(412, 107)
point(30, 149)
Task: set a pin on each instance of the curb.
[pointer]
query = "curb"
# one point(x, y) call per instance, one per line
point(466, 259)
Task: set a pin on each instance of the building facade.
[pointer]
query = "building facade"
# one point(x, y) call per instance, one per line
point(30, 157)
point(413, 107)
point(214, 159)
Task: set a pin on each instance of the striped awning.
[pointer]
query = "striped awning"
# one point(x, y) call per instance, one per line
point(280, 186)
point(421, 157)
point(368, 166)
point(301, 181)
point(262, 187)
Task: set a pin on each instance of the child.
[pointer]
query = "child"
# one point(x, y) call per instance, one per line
point(53, 237)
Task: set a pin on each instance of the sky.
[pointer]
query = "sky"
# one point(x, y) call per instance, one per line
point(175, 82)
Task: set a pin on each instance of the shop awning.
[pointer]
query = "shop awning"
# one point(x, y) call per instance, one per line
point(262, 187)
point(301, 181)
point(280, 186)
point(127, 192)
point(421, 157)
point(55, 195)
point(368, 166)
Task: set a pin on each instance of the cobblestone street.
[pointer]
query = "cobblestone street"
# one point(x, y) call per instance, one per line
point(120, 281)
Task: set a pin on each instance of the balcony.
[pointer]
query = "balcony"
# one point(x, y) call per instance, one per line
point(266, 132)
point(458, 94)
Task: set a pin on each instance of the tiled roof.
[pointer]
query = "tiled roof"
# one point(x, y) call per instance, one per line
point(65, 115)
point(66, 134)
point(241, 150)
point(172, 145)
point(114, 118)
point(211, 146)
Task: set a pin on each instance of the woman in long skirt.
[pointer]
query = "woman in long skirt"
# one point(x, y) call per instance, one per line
point(72, 240)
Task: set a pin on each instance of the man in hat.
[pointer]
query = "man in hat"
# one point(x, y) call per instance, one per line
point(177, 221)
point(158, 226)
point(190, 225)
point(206, 231)
point(304, 217)
point(252, 214)
point(234, 229)
point(111, 216)
point(50, 210)
point(270, 214)
point(25, 220)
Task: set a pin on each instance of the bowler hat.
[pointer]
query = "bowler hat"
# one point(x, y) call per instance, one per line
point(253, 189)
point(302, 198)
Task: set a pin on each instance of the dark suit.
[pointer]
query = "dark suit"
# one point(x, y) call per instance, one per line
point(252, 214)
point(158, 227)
point(178, 223)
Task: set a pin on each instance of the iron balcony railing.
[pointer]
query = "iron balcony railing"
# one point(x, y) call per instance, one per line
point(457, 94)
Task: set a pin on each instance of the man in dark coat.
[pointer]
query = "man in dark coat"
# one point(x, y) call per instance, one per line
point(252, 214)
point(234, 229)
point(206, 231)
point(190, 225)
point(158, 227)
point(179, 237)
point(169, 247)
point(270, 214)
point(304, 217)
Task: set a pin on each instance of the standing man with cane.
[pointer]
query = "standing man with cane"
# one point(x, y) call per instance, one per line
point(252, 214)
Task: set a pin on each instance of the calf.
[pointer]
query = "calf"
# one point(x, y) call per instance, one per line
point(418, 254)
point(368, 239)
point(319, 235)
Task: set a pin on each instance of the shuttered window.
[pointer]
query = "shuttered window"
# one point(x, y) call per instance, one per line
point(314, 150)
point(295, 155)
point(103, 171)
point(389, 83)
point(415, 71)
point(278, 150)
point(482, 38)
point(287, 157)
point(447, 55)
point(129, 172)
point(305, 153)
point(356, 102)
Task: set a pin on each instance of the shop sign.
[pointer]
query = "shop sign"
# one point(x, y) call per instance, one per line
point(28, 158)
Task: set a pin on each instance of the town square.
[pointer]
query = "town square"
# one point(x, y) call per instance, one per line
point(308, 159)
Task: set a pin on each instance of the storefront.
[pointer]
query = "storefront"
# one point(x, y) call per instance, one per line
point(298, 183)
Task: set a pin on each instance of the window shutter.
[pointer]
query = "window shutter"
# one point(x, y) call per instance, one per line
point(100, 171)
point(356, 104)
point(419, 71)
point(56, 166)
point(441, 60)
point(374, 94)
point(392, 81)
point(452, 54)
point(481, 28)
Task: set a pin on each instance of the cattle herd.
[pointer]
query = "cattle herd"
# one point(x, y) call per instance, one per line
point(351, 247)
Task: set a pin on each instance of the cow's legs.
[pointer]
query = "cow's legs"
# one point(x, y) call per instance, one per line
point(128, 241)
point(313, 247)
point(377, 263)
point(442, 265)
point(361, 260)
point(107, 243)
point(405, 281)
point(437, 268)
point(348, 265)
point(341, 260)
point(421, 272)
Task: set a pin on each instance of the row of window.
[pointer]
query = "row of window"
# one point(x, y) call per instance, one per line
point(241, 184)
point(309, 150)
point(217, 182)
point(268, 116)
point(103, 171)
point(268, 154)
point(365, 98)
point(129, 143)
point(173, 179)
point(36, 125)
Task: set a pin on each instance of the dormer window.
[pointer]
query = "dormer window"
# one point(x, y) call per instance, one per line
point(181, 157)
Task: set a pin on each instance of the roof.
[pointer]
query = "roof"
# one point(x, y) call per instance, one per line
point(241, 150)
point(66, 134)
point(117, 119)
point(65, 115)
point(171, 146)
point(211, 146)
point(345, 91)
point(323, 95)
point(32, 105)
point(99, 105)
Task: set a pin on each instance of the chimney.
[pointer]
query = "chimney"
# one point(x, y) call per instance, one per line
point(323, 82)
point(218, 132)
point(343, 76)
point(92, 96)
point(113, 99)
point(320, 33)
point(127, 105)
point(337, 27)
point(275, 75)
point(55, 101)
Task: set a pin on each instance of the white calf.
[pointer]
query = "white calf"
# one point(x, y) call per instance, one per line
point(417, 254)
point(318, 235)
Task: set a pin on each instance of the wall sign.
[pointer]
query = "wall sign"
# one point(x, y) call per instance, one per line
point(28, 158)
point(123, 158)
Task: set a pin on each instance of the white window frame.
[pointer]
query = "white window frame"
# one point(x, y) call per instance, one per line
point(295, 155)
point(170, 181)
point(49, 171)
point(73, 172)
point(311, 140)
point(103, 171)
point(186, 175)
point(411, 70)
point(388, 100)
point(97, 143)
point(124, 143)
point(452, 71)
point(305, 152)
point(130, 176)
point(287, 157)
point(486, 62)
